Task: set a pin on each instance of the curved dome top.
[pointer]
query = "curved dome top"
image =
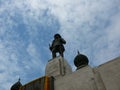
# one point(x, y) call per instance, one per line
point(16, 86)
point(80, 60)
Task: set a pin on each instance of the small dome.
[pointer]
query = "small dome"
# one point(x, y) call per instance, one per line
point(80, 60)
point(16, 86)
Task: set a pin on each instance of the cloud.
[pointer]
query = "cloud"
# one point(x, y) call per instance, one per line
point(28, 26)
point(23, 26)
point(85, 27)
point(8, 65)
point(34, 58)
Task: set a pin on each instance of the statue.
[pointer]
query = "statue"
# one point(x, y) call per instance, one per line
point(57, 45)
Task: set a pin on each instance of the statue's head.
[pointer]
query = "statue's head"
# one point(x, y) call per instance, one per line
point(57, 36)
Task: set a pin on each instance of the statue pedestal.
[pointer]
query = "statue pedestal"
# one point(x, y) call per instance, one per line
point(58, 67)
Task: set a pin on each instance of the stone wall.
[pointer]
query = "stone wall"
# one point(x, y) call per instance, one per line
point(82, 79)
point(103, 77)
point(110, 74)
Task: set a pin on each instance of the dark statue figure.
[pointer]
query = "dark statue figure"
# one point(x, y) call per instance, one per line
point(57, 45)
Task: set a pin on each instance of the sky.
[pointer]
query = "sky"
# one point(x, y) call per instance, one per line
point(28, 26)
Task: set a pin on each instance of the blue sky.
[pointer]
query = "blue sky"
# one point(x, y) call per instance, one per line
point(27, 27)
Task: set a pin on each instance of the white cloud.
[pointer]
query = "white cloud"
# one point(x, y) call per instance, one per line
point(35, 58)
point(8, 66)
point(89, 26)
point(84, 26)
point(15, 61)
point(114, 29)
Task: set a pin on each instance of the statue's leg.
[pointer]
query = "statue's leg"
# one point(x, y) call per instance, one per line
point(61, 51)
point(53, 54)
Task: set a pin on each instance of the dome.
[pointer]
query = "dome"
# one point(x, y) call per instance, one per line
point(16, 86)
point(80, 60)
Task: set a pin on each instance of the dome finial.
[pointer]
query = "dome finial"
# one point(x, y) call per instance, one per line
point(78, 52)
point(19, 79)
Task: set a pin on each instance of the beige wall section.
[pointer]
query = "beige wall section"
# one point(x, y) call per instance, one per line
point(103, 77)
point(110, 74)
point(82, 79)
point(58, 67)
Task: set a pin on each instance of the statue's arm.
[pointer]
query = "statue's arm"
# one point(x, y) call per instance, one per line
point(63, 41)
point(51, 46)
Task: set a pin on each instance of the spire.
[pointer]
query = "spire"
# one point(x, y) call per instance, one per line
point(78, 52)
point(19, 79)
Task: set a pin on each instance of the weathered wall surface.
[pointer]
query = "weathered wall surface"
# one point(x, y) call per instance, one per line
point(110, 74)
point(104, 77)
point(82, 79)
point(58, 67)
